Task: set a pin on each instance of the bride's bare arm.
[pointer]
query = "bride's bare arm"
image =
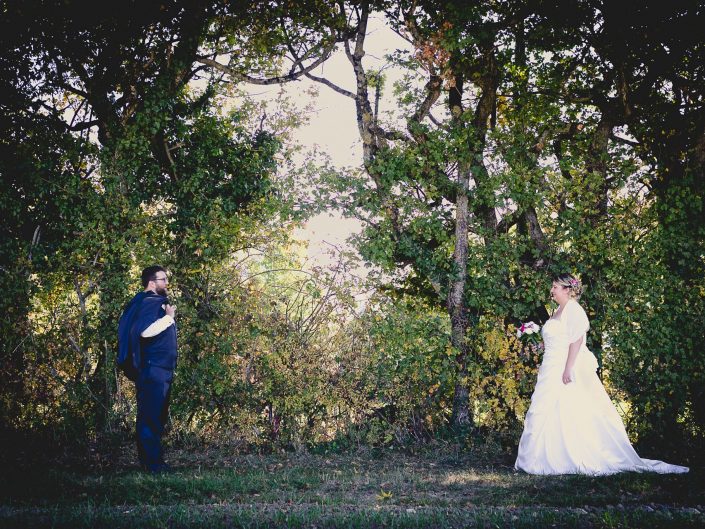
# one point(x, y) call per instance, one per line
point(570, 362)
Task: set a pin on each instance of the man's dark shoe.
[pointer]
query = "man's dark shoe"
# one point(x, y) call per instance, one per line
point(161, 468)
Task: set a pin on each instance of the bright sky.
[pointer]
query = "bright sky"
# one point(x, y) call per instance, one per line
point(333, 126)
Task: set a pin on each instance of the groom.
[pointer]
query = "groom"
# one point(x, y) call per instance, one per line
point(147, 355)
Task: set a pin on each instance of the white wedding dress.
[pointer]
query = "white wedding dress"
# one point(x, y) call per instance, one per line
point(574, 428)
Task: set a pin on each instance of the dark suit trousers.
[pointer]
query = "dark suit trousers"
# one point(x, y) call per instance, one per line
point(153, 388)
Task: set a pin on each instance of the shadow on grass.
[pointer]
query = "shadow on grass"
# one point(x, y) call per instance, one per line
point(441, 487)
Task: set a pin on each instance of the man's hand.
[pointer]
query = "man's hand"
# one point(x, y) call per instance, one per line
point(171, 310)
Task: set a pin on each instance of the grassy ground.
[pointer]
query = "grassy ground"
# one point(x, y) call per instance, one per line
point(443, 487)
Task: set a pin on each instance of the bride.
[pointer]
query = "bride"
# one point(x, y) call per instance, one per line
point(571, 426)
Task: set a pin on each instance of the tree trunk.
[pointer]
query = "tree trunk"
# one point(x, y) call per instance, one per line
point(457, 307)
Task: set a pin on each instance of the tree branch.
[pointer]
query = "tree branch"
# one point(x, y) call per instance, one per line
point(335, 87)
point(85, 125)
point(387, 135)
point(280, 79)
point(167, 150)
point(433, 92)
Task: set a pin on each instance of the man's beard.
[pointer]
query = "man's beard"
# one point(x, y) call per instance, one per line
point(162, 291)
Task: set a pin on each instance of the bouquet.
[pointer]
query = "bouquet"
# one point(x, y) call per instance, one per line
point(528, 331)
point(530, 336)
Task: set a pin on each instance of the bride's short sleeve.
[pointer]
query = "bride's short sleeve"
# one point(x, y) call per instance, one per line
point(577, 321)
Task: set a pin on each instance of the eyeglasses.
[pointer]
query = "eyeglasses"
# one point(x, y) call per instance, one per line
point(165, 279)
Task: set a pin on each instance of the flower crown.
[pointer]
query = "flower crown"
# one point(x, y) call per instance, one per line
point(574, 283)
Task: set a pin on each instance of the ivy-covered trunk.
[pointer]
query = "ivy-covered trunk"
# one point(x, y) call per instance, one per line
point(457, 305)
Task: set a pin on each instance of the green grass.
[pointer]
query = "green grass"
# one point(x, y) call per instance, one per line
point(367, 488)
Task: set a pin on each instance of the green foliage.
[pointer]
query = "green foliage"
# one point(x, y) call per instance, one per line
point(586, 163)
point(119, 149)
point(503, 379)
point(402, 371)
point(172, 181)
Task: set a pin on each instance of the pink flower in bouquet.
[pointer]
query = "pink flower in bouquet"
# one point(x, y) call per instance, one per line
point(527, 328)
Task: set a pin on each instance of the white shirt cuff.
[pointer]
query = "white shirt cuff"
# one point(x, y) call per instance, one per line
point(158, 326)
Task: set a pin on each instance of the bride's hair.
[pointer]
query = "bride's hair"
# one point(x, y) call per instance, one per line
point(571, 283)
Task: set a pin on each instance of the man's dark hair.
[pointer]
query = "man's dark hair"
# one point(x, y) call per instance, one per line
point(150, 274)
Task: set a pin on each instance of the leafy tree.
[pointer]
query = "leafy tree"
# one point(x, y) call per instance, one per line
point(117, 157)
point(528, 138)
point(525, 136)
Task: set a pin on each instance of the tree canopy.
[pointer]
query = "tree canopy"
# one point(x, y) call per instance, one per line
point(527, 138)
